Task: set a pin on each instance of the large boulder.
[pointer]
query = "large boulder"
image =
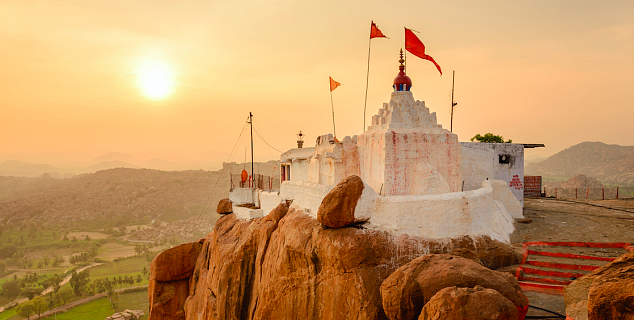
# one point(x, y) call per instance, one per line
point(167, 299)
point(469, 304)
point(409, 288)
point(224, 206)
point(286, 265)
point(338, 206)
point(611, 295)
point(606, 293)
point(176, 263)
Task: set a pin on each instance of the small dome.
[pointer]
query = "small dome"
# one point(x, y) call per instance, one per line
point(402, 82)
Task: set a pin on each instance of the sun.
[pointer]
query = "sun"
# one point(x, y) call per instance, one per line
point(155, 78)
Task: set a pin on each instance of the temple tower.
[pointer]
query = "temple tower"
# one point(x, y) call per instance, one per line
point(404, 151)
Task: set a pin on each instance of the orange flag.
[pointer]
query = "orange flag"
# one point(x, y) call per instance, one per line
point(333, 84)
point(417, 48)
point(375, 32)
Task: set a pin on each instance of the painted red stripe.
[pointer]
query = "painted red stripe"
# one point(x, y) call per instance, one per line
point(547, 280)
point(542, 288)
point(559, 274)
point(568, 255)
point(576, 244)
point(562, 266)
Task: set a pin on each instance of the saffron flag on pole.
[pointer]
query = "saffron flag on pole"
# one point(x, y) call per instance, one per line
point(417, 48)
point(375, 32)
point(333, 84)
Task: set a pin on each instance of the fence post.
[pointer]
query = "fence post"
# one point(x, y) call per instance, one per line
point(556, 193)
point(602, 193)
point(617, 192)
point(588, 194)
point(576, 193)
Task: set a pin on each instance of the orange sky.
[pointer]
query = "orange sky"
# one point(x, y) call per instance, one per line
point(552, 72)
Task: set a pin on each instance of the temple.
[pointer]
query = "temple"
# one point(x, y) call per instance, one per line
point(414, 172)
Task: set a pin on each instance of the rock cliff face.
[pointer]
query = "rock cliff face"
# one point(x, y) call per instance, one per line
point(287, 265)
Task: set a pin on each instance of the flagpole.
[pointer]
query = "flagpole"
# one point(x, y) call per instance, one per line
point(453, 82)
point(367, 82)
point(333, 115)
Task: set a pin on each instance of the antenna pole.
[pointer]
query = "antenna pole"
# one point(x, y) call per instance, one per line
point(453, 81)
point(252, 175)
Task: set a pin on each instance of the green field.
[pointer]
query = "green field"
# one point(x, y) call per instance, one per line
point(100, 309)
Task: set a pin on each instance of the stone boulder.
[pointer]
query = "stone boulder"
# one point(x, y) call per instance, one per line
point(286, 265)
point(475, 303)
point(127, 315)
point(611, 295)
point(408, 289)
point(338, 207)
point(224, 206)
point(176, 263)
point(606, 293)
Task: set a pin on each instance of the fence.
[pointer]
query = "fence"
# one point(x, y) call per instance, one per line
point(583, 193)
point(259, 182)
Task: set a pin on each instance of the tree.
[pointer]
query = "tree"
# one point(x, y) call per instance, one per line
point(490, 138)
point(78, 281)
point(3, 268)
point(65, 294)
point(39, 305)
point(145, 272)
point(139, 279)
point(31, 291)
point(25, 309)
point(11, 289)
point(47, 260)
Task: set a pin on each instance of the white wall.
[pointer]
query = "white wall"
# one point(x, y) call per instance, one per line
point(305, 195)
point(241, 196)
point(512, 173)
point(444, 216)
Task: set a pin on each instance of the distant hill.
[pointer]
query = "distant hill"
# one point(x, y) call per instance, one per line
point(110, 165)
point(114, 197)
point(610, 164)
point(13, 168)
point(114, 156)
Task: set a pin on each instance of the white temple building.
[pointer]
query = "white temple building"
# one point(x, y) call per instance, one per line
point(419, 179)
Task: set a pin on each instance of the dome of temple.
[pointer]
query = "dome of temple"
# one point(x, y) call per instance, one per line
point(402, 82)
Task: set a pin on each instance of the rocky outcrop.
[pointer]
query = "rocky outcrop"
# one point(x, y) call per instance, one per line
point(287, 265)
point(127, 315)
point(169, 280)
point(409, 288)
point(607, 293)
point(475, 303)
point(338, 207)
point(224, 206)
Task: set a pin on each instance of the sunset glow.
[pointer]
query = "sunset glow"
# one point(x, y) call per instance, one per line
point(155, 79)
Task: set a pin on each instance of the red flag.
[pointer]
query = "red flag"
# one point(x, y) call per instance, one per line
point(417, 48)
point(375, 32)
point(333, 84)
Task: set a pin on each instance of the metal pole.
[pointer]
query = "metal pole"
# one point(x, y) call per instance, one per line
point(367, 82)
point(333, 115)
point(251, 123)
point(453, 81)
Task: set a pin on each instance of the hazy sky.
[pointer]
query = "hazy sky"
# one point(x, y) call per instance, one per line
point(552, 72)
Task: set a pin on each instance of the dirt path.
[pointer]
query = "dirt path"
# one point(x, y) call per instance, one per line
point(565, 220)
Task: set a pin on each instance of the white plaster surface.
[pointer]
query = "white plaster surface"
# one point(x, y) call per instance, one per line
point(477, 166)
point(305, 195)
point(365, 206)
point(441, 216)
point(269, 200)
point(246, 213)
point(503, 194)
point(241, 195)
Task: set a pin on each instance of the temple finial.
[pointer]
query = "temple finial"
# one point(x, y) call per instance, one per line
point(401, 60)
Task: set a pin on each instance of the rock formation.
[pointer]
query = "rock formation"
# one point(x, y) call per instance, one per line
point(409, 288)
point(469, 304)
point(338, 207)
point(607, 293)
point(286, 265)
point(127, 315)
point(224, 206)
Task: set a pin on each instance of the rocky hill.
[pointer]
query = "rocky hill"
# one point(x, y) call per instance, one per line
point(610, 164)
point(578, 181)
point(121, 196)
